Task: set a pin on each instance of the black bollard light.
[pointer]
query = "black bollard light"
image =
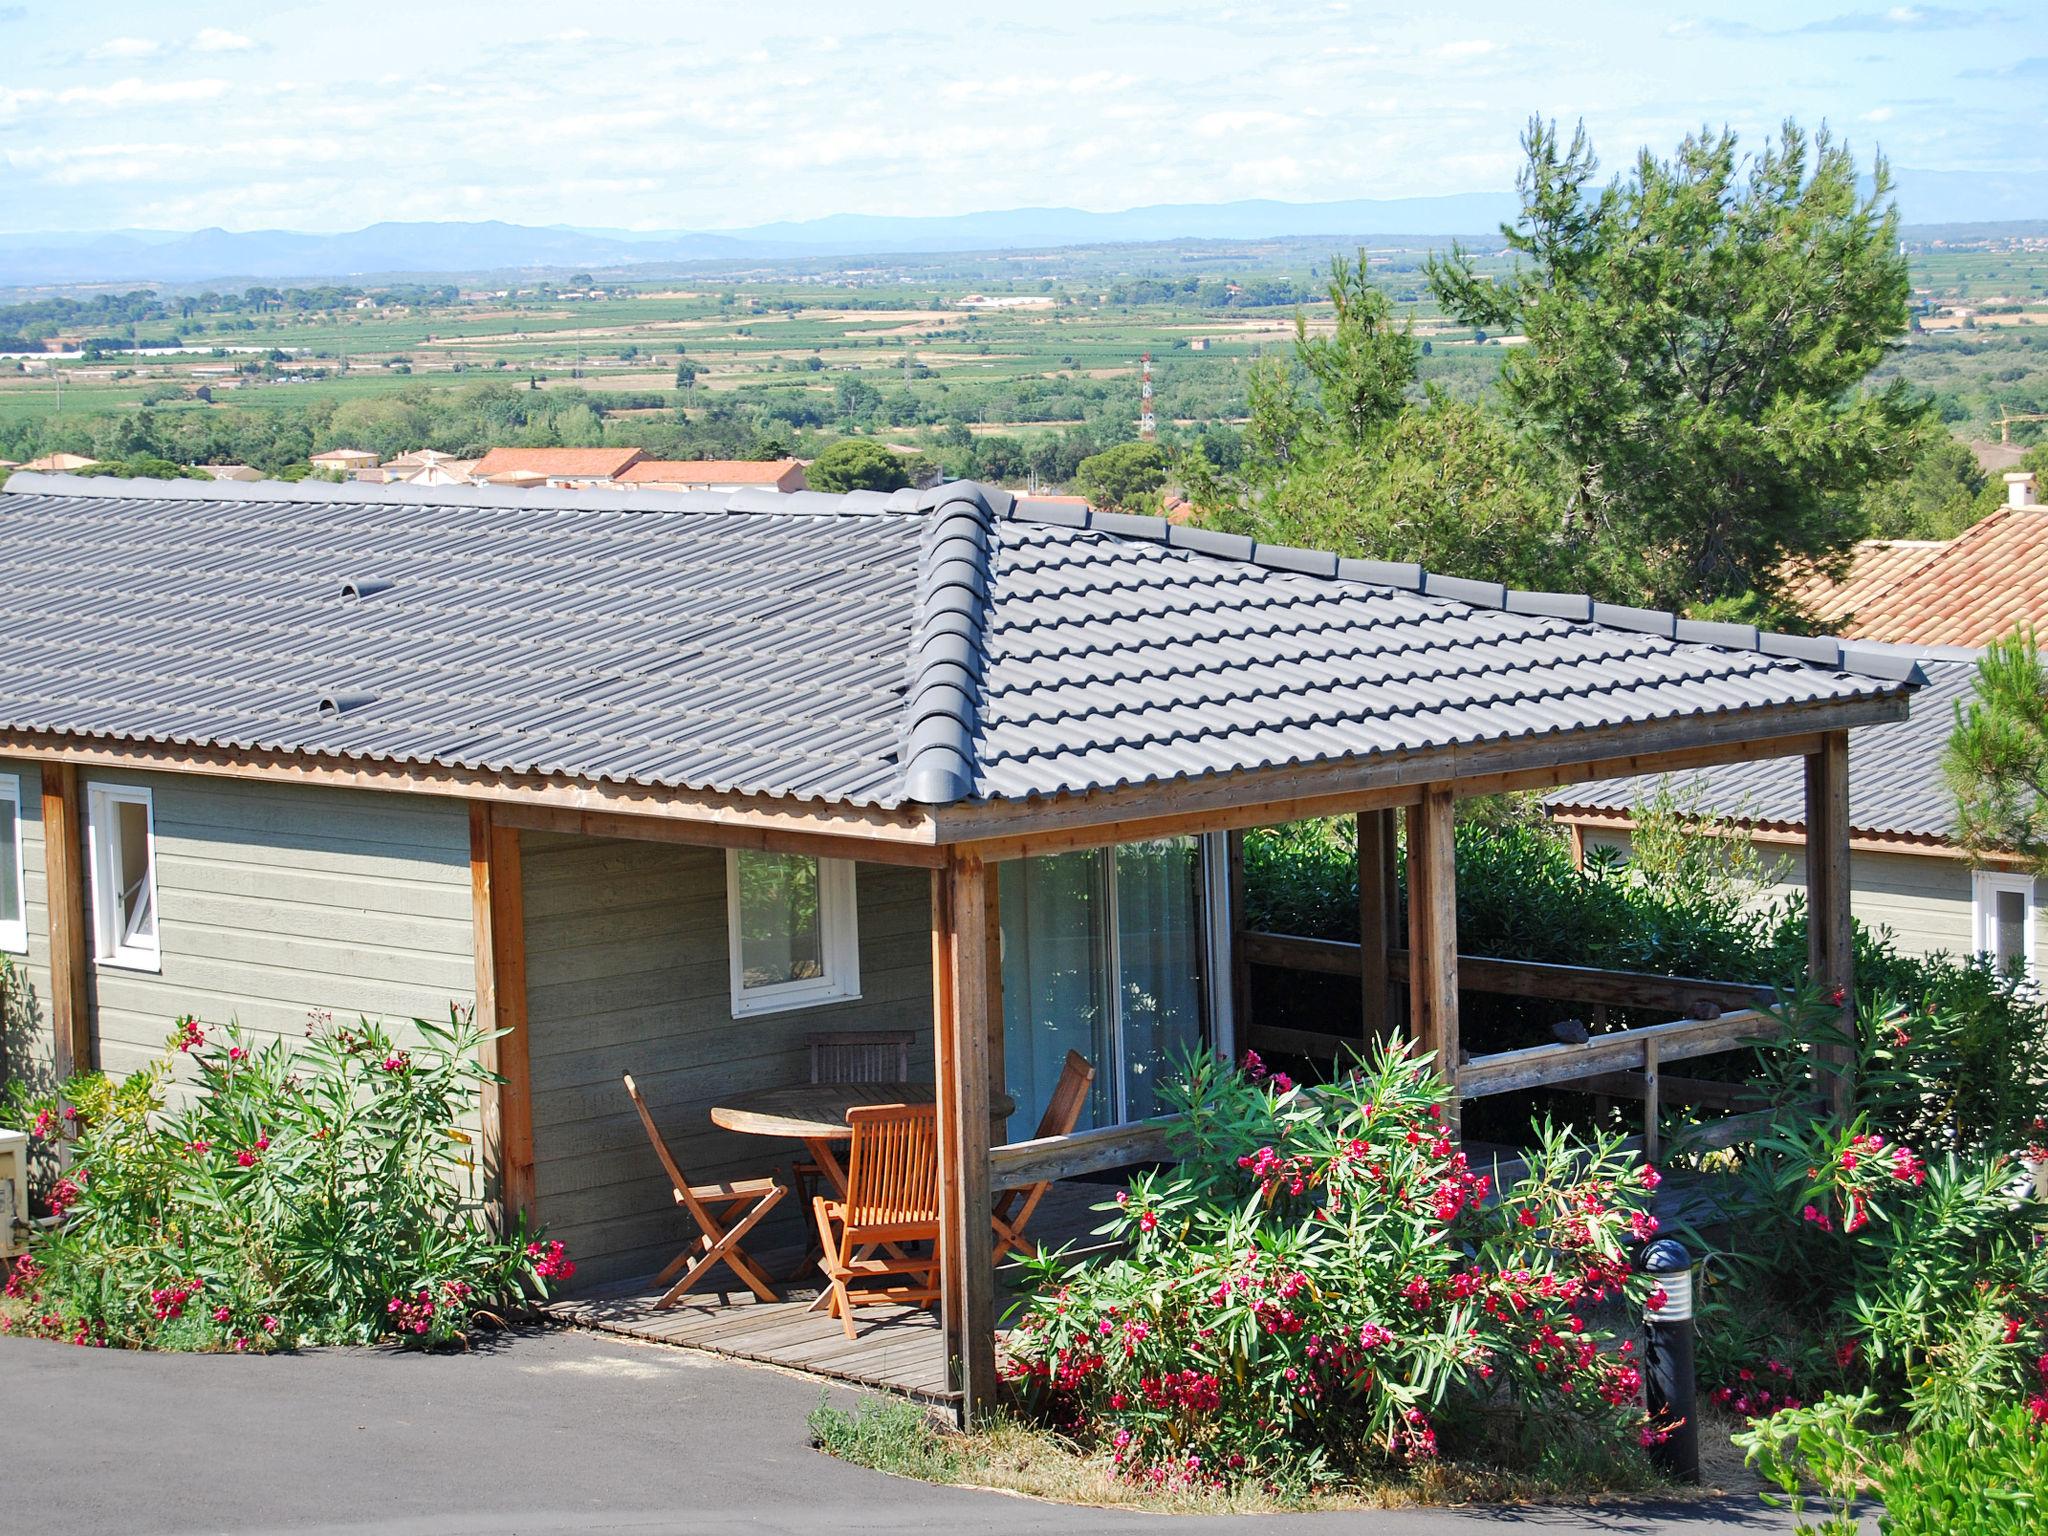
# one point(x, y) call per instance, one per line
point(1670, 1383)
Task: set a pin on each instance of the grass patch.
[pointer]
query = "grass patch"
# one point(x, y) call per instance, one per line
point(895, 1435)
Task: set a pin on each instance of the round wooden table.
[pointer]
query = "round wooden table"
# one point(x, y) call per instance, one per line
point(815, 1114)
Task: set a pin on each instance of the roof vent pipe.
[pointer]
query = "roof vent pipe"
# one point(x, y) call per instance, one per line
point(340, 701)
point(365, 586)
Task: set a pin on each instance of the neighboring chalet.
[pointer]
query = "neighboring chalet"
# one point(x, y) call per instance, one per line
point(1906, 870)
point(555, 468)
point(667, 783)
point(1964, 591)
point(59, 464)
point(243, 472)
point(715, 475)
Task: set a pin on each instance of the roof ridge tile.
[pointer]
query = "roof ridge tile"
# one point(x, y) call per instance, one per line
point(942, 699)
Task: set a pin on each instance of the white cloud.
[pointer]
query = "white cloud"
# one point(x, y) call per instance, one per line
point(1879, 115)
point(135, 92)
point(1466, 48)
point(123, 48)
point(217, 40)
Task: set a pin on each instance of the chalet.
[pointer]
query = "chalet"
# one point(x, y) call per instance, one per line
point(677, 785)
point(59, 463)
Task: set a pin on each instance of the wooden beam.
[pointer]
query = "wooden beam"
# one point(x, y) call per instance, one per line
point(1378, 904)
point(960, 950)
point(1830, 935)
point(64, 885)
point(498, 920)
point(1065, 1157)
point(1433, 930)
point(1548, 1066)
point(706, 808)
point(1066, 834)
point(666, 829)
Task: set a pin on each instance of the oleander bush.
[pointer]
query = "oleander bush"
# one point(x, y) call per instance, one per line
point(1324, 1288)
point(1854, 1261)
point(310, 1192)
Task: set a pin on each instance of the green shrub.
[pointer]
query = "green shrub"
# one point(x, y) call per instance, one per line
point(1956, 1477)
point(1323, 1284)
point(300, 1194)
point(1853, 1261)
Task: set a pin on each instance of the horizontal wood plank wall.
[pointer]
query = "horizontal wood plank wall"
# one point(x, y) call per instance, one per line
point(26, 1040)
point(277, 901)
point(626, 971)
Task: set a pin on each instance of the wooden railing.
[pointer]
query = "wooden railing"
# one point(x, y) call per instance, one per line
point(1718, 1016)
point(1063, 1157)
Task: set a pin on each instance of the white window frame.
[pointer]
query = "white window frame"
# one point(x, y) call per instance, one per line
point(14, 931)
point(1985, 885)
point(110, 945)
point(838, 937)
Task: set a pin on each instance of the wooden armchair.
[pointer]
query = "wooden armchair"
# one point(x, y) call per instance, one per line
point(723, 1214)
point(1062, 1113)
point(891, 1204)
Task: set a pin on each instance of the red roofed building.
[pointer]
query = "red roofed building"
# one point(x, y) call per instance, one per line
point(715, 474)
point(1965, 591)
point(564, 468)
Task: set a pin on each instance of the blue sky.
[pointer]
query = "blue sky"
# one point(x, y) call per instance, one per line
point(673, 115)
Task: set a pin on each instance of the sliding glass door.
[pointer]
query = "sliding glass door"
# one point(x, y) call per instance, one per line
point(1103, 953)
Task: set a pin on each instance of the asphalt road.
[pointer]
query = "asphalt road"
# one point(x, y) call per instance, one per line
point(545, 1432)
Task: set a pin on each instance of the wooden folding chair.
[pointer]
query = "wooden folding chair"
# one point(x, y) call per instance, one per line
point(1062, 1114)
point(877, 1056)
point(723, 1213)
point(892, 1202)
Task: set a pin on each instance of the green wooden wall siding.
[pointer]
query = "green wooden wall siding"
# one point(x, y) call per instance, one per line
point(27, 1042)
point(627, 972)
point(276, 901)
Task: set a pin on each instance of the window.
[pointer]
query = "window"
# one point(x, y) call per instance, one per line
point(2005, 920)
point(13, 919)
point(123, 836)
point(792, 933)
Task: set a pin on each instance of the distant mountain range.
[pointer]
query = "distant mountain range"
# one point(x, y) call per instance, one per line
point(422, 249)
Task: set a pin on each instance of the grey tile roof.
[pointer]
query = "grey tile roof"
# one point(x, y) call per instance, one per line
point(1895, 783)
point(869, 650)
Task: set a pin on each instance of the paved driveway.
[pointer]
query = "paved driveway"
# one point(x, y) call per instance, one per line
point(547, 1432)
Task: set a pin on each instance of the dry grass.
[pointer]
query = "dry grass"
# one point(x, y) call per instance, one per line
point(1009, 1456)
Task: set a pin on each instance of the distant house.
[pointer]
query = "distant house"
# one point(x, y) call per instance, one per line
point(229, 471)
point(561, 468)
point(346, 460)
point(1906, 871)
point(1966, 591)
point(61, 463)
point(715, 475)
point(419, 458)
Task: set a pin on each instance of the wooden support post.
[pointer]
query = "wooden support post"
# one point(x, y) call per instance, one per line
point(1653, 1099)
point(1240, 967)
point(64, 883)
point(1433, 930)
point(963, 977)
point(1830, 944)
point(1577, 834)
point(1377, 903)
point(498, 920)
point(998, 1065)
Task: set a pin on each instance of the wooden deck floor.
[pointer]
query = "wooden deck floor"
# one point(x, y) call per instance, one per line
point(896, 1348)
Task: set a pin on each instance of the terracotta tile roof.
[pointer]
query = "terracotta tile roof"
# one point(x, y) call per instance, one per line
point(1875, 565)
point(1967, 591)
point(709, 471)
point(569, 463)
